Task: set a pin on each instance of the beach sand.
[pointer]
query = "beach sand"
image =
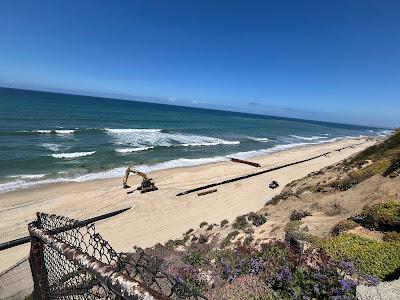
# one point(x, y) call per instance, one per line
point(161, 215)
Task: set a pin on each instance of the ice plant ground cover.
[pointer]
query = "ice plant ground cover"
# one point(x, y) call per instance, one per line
point(272, 270)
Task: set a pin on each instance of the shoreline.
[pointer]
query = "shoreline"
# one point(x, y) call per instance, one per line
point(160, 215)
point(149, 169)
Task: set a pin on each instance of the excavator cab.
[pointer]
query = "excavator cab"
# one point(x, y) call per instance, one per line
point(147, 184)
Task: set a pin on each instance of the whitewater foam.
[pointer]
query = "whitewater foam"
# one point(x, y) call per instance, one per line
point(73, 154)
point(131, 130)
point(210, 143)
point(157, 138)
point(64, 131)
point(51, 147)
point(28, 176)
point(261, 140)
point(130, 150)
point(43, 131)
point(308, 138)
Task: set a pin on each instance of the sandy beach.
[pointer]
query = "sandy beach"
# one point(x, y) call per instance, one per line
point(161, 215)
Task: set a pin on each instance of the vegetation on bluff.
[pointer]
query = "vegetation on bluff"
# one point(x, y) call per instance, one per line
point(382, 216)
point(378, 258)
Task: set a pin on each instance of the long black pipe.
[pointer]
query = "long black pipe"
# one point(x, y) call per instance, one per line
point(82, 223)
point(258, 173)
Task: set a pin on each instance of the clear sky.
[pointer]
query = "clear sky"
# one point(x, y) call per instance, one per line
point(327, 60)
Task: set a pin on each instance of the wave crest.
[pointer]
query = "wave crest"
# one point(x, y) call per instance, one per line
point(308, 138)
point(73, 154)
point(130, 150)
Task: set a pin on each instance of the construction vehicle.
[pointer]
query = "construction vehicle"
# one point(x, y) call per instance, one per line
point(147, 184)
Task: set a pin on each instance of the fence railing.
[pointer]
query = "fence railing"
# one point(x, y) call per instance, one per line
point(79, 264)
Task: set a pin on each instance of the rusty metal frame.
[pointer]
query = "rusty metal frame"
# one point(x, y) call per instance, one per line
point(119, 283)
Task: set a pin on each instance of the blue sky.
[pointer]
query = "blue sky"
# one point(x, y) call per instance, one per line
point(326, 60)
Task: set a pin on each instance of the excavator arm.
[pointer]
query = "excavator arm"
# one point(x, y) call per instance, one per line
point(146, 186)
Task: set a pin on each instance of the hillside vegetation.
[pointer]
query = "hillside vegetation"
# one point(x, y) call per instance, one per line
point(318, 239)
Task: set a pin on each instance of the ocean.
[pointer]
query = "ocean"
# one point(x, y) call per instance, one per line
point(49, 137)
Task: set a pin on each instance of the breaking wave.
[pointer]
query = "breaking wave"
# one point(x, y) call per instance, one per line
point(261, 140)
point(222, 142)
point(308, 138)
point(73, 154)
point(48, 131)
point(140, 138)
point(130, 150)
point(51, 147)
point(133, 130)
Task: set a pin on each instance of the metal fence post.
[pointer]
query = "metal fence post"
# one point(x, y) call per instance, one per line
point(36, 262)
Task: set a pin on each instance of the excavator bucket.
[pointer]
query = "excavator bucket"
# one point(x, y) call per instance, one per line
point(147, 184)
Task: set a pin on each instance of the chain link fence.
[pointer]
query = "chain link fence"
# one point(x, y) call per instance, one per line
point(70, 261)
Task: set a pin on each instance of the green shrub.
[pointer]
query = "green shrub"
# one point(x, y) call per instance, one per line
point(343, 226)
point(189, 231)
point(194, 258)
point(224, 222)
point(394, 166)
point(299, 214)
point(376, 151)
point(257, 219)
point(355, 177)
point(292, 226)
point(248, 239)
point(210, 227)
point(380, 259)
point(203, 239)
point(392, 236)
point(240, 222)
point(227, 240)
point(202, 224)
point(383, 216)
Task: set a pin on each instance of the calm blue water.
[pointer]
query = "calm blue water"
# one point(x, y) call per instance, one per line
point(48, 137)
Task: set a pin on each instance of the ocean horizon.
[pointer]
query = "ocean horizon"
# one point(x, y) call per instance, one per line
point(48, 137)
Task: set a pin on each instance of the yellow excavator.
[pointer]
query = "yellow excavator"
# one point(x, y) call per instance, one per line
point(147, 184)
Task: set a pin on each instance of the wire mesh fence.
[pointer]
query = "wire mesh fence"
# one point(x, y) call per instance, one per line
point(69, 261)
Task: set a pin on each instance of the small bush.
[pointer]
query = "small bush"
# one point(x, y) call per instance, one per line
point(224, 222)
point(292, 226)
point(210, 227)
point(189, 231)
point(285, 194)
point(249, 230)
point(380, 259)
point(392, 236)
point(202, 224)
point(257, 219)
point(382, 216)
point(203, 239)
point(248, 239)
point(343, 226)
point(194, 259)
point(394, 166)
point(299, 214)
point(240, 222)
point(227, 240)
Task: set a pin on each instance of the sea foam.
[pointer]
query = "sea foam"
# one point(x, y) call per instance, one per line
point(308, 138)
point(73, 154)
point(130, 150)
point(157, 138)
point(261, 140)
